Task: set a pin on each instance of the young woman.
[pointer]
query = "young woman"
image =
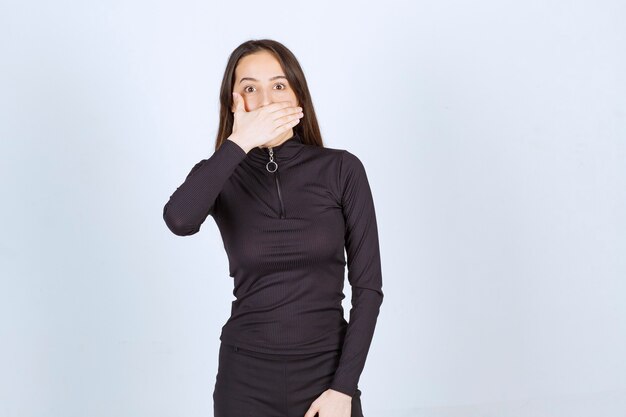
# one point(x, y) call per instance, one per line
point(286, 208)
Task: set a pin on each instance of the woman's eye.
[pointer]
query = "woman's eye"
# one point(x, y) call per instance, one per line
point(250, 89)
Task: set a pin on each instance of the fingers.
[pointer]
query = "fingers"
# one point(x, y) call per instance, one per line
point(288, 115)
point(238, 102)
point(284, 113)
point(277, 110)
point(277, 106)
point(286, 126)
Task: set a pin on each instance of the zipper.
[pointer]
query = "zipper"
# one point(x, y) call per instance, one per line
point(276, 180)
point(280, 196)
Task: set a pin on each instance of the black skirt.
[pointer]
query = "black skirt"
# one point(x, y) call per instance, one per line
point(256, 384)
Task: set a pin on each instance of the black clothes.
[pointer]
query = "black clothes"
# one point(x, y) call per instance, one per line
point(250, 383)
point(284, 233)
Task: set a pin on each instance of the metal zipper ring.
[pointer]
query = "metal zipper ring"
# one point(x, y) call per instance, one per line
point(267, 166)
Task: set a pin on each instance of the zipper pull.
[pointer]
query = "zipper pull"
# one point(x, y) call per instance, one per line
point(267, 166)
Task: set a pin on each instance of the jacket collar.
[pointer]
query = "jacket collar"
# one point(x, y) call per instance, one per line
point(282, 153)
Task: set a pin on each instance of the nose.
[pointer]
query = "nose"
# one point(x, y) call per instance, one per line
point(267, 98)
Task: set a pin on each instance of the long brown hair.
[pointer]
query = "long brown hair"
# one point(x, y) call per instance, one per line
point(307, 128)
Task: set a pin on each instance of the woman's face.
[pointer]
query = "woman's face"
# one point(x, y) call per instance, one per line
point(260, 80)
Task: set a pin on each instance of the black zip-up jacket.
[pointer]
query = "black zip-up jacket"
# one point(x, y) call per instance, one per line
point(284, 233)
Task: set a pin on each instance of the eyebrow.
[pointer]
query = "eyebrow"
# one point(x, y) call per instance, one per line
point(254, 79)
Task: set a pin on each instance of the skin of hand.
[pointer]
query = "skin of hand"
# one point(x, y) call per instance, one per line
point(331, 403)
point(261, 82)
point(262, 126)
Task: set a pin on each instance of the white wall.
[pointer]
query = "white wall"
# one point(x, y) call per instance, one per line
point(493, 133)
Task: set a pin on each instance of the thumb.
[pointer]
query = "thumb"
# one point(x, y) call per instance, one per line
point(312, 411)
point(238, 103)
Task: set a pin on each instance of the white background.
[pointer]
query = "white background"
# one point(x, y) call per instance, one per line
point(493, 134)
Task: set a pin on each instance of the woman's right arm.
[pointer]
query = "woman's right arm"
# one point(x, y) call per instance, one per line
point(194, 199)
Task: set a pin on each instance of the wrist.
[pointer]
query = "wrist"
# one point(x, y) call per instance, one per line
point(234, 138)
point(340, 394)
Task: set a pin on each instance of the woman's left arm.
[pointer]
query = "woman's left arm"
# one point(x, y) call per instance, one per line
point(365, 277)
point(364, 272)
